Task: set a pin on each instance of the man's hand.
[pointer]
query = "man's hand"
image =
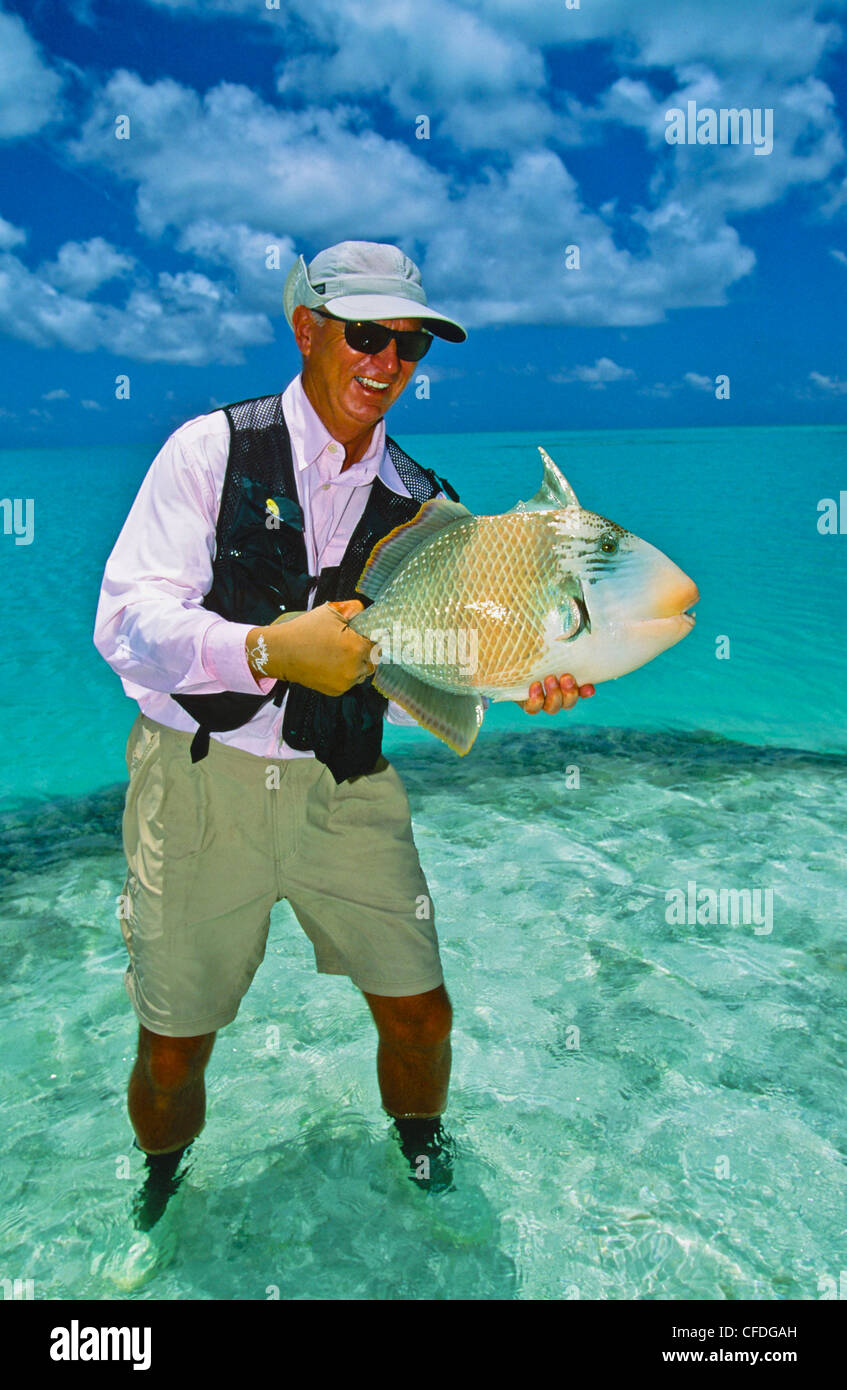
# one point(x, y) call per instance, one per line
point(554, 695)
point(316, 649)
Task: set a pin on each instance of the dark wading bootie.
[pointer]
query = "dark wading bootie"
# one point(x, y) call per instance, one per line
point(160, 1184)
point(430, 1152)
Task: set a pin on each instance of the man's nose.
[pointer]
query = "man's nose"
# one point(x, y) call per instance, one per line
point(387, 359)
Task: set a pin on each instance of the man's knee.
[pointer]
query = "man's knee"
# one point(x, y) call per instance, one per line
point(414, 1021)
point(172, 1063)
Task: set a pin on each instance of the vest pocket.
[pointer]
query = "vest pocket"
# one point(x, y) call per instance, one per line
point(263, 569)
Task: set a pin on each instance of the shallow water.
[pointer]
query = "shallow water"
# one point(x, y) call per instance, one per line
point(689, 1141)
point(642, 1109)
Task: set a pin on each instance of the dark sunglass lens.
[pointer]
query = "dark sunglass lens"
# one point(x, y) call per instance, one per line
point(367, 337)
point(373, 338)
point(412, 346)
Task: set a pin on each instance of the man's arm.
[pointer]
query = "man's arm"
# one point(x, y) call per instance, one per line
point(151, 626)
point(316, 649)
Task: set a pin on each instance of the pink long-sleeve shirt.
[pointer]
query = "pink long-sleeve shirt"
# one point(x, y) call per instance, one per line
point(151, 627)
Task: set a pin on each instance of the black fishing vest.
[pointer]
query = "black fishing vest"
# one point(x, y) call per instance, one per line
point(261, 570)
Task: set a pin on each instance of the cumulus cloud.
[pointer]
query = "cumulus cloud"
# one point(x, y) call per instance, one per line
point(597, 377)
point(29, 89)
point(10, 236)
point(82, 266)
point(184, 318)
point(489, 204)
point(838, 255)
point(300, 172)
point(60, 394)
point(661, 389)
point(833, 385)
point(698, 382)
point(259, 260)
point(243, 174)
point(312, 177)
point(497, 261)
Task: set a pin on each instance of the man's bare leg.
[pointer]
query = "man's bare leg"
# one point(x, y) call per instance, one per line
point(413, 1070)
point(167, 1107)
point(167, 1092)
point(414, 1054)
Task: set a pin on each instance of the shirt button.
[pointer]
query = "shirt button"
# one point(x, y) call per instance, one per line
point(325, 487)
point(333, 448)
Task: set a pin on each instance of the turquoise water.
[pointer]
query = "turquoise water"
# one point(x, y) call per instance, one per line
point(643, 1108)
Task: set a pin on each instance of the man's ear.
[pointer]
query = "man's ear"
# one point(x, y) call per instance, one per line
point(304, 327)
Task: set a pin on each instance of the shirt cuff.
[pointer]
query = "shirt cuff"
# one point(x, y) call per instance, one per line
point(225, 659)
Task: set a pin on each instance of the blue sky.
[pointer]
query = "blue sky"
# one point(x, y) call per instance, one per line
point(294, 127)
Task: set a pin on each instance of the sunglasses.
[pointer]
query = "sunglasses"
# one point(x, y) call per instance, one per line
point(373, 338)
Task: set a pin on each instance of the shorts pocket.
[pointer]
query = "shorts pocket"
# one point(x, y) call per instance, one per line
point(186, 808)
point(141, 744)
point(377, 800)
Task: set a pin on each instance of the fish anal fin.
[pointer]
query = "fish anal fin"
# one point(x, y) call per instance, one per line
point(454, 718)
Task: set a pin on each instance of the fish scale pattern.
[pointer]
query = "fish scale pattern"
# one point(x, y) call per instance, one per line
point(446, 615)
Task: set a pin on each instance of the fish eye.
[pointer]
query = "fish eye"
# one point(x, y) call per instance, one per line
point(609, 543)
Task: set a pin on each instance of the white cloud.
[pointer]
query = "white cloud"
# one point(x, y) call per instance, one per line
point(492, 242)
point(831, 384)
point(259, 260)
point(82, 266)
point(597, 377)
point(300, 173)
point(60, 394)
point(307, 176)
point(223, 175)
point(497, 261)
point(29, 89)
point(185, 319)
point(839, 255)
point(661, 389)
point(698, 382)
point(10, 236)
point(91, 405)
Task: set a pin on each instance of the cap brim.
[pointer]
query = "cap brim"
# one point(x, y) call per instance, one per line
point(386, 306)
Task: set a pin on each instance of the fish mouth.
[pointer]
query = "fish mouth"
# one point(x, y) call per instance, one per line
point(681, 623)
point(675, 604)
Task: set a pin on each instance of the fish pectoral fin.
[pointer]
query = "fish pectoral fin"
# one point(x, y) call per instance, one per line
point(394, 549)
point(452, 717)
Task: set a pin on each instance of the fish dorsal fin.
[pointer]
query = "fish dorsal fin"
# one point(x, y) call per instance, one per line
point(555, 492)
point(394, 549)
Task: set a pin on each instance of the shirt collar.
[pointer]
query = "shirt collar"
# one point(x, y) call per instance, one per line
point(311, 440)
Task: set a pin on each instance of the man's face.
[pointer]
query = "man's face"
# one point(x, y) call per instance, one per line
point(351, 390)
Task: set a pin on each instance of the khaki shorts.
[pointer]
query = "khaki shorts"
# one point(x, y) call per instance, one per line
point(211, 846)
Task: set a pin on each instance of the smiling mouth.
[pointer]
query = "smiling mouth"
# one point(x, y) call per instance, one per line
point(372, 383)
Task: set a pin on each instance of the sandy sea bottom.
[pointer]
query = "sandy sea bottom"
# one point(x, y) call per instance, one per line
point(643, 1109)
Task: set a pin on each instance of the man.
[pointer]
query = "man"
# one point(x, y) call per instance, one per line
point(255, 762)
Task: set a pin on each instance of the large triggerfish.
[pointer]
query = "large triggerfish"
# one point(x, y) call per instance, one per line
point(469, 606)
